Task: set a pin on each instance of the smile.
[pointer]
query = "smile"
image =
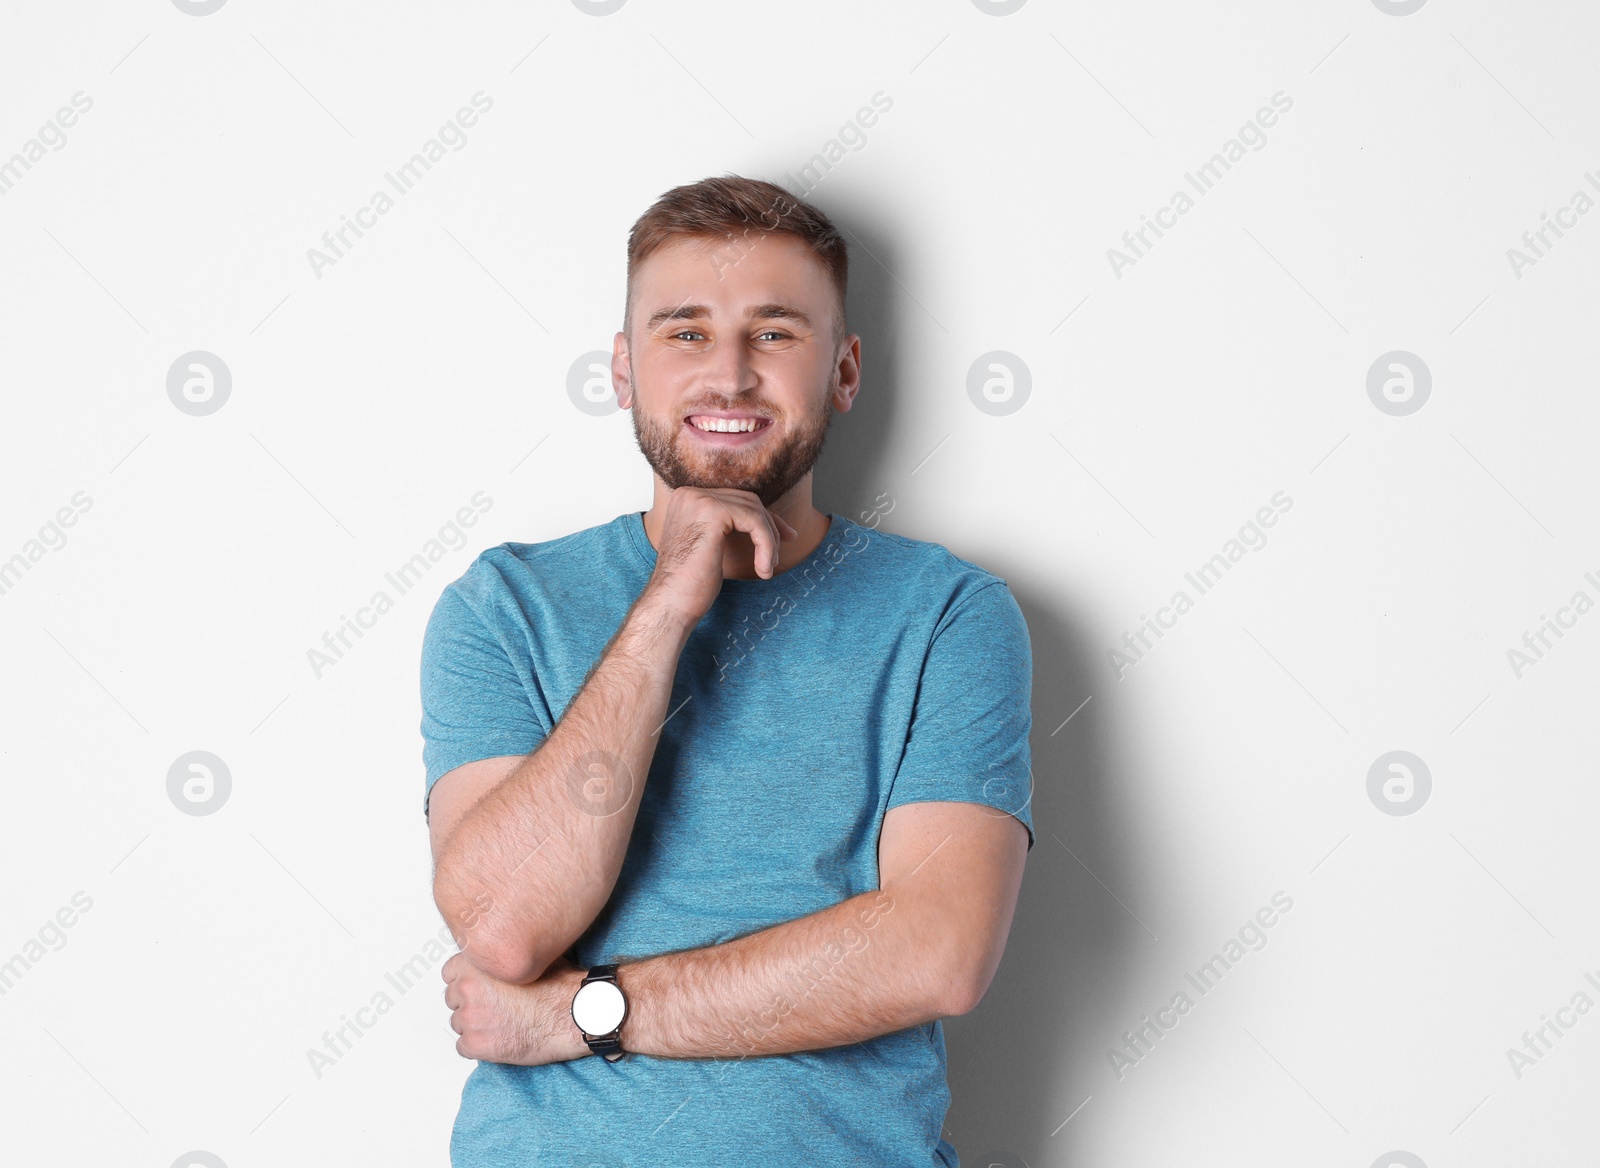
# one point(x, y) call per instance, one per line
point(715, 424)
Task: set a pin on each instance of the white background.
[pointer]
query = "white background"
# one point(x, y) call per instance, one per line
point(1169, 403)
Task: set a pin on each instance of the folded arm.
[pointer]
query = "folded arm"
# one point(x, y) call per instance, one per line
point(527, 848)
point(925, 945)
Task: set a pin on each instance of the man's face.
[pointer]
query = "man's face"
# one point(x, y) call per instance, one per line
point(732, 371)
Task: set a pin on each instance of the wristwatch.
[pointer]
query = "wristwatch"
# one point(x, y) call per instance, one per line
point(599, 1008)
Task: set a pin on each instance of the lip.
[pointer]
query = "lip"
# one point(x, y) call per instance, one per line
point(719, 438)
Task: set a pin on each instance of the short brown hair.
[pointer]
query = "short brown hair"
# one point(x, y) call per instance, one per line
point(723, 208)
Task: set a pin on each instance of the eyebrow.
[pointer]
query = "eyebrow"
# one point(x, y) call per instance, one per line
point(701, 312)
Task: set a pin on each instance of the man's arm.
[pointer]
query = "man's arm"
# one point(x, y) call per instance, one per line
point(923, 946)
point(524, 869)
point(521, 872)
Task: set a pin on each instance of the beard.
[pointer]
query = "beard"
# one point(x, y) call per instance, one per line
point(768, 474)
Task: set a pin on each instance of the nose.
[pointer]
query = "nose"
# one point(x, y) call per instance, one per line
point(728, 370)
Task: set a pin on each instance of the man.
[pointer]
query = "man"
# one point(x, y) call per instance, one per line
point(740, 786)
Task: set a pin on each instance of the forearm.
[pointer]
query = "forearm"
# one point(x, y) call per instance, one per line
point(925, 946)
point(533, 862)
point(856, 970)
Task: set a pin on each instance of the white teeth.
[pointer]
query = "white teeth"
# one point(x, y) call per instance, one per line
point(727, 425)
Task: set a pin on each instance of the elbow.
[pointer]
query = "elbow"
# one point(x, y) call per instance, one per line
point(509, 959)
point(463, 912)
point(963, 979)
point(470, 918)
point(963, 991)
point(505, 956)
point(514, 965)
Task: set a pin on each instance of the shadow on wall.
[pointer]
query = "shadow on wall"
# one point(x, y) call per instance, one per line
point(1019, 1062)
point(1033, 1049)
point(851, 472)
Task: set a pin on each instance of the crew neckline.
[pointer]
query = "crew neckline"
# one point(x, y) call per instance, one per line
point(633, 523)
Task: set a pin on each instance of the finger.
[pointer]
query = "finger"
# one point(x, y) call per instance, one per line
point(748, 516)
point(785, 530)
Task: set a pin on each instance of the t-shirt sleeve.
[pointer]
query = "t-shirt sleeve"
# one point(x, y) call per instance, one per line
point(969, 727)
point(474, 703)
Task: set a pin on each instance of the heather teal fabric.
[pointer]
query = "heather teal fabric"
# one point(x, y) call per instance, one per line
point(882, 671)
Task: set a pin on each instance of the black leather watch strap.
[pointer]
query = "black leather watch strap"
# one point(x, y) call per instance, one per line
point(608, 1047)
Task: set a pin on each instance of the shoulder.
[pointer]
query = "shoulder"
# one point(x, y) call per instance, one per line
point(930, 572)
point(513, 568)
point(977, 637)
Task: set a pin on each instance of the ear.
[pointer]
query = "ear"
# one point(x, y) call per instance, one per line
point(848, 372)
point(622, 371)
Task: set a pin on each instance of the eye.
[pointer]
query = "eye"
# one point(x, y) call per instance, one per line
point(772, 333)
point(685, 333)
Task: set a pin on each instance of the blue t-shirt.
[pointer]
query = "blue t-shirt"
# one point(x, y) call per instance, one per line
point(882, 671)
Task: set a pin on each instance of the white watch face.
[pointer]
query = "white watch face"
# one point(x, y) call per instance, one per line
point(598, 1008)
